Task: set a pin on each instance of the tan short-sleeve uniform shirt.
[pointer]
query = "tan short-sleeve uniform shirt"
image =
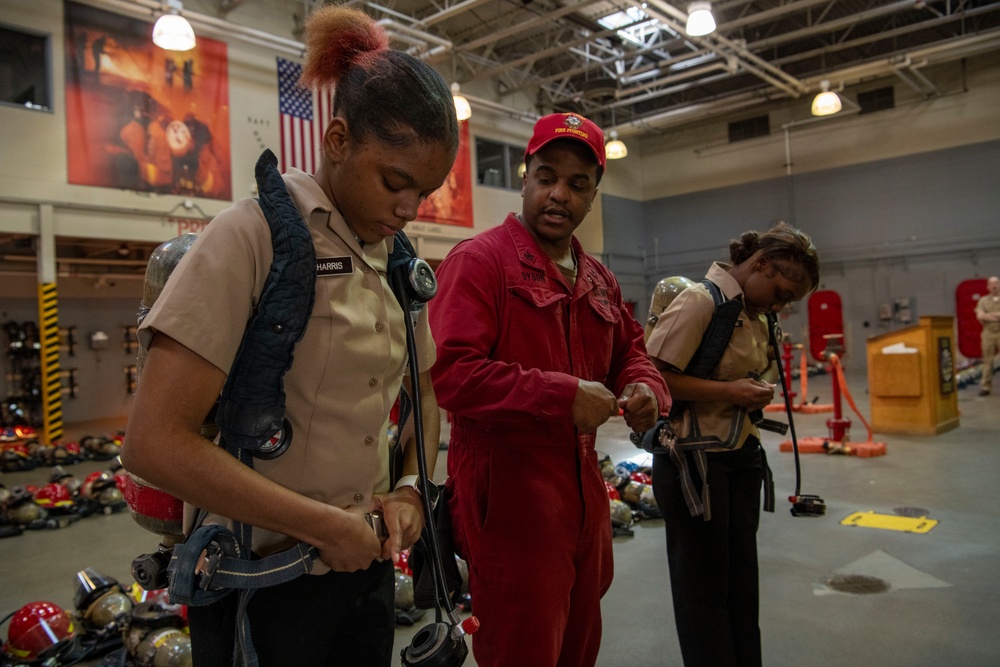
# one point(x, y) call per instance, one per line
point(989, 304)
point(348, 367)
point(676, 338)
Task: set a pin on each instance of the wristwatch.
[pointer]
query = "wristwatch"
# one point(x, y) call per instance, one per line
point(414, 482)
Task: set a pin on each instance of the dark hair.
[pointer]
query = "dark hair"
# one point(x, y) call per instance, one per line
point(574, 144)
point(382, 93)
point(780, 244)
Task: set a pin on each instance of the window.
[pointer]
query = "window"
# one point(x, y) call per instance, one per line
point(740, 130)
point(497, 164)
point(877, 100)
point(24, 69)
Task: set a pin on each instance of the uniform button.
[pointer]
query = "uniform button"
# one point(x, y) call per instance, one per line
point(369, 440)
point(358, 497)
point(278, 328)
point(366, 269)
point(379, 326)
point(372, 382)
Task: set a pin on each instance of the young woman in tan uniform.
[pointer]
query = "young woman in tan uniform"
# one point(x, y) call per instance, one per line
point(391, 142)
point(713, 563)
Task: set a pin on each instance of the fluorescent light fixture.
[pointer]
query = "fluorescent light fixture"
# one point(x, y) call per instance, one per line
point(172, 31)
point(615, 149)
point(827, 102)
point(462, 108)
point(700, 20)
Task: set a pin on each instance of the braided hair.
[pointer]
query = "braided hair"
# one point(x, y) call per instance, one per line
point(782, 245)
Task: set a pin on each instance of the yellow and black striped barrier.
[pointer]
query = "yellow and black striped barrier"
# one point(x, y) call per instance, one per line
point(48, 316)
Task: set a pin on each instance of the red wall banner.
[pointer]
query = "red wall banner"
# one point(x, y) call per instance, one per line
point(451, 204)
point(142, 118)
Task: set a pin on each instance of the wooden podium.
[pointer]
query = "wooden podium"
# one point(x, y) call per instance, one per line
point(915, 392)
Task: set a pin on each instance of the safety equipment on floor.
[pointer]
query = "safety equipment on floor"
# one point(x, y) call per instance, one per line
point(38, 630)
point(155, 636)
point(59, 475)
point(55, 497)
point(100, 601)
point(22, 510)
point(404, 591)
point(621, 514)
point(101, 489)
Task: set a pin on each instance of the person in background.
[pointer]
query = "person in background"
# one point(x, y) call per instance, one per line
point(713, 563)
point(391, 142)
point(535, 351)
point(988, 314)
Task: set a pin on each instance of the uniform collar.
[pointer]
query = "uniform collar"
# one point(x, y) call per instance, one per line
point(311, 199)
point(531, 254)
point(719, 274)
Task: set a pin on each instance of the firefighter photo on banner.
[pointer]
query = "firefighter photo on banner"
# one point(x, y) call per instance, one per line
point(451, 204)
point(139, 117)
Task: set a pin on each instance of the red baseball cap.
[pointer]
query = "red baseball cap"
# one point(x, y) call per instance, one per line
point(568, 126)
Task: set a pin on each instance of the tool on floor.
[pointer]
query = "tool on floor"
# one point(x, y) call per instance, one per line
point(802, 504)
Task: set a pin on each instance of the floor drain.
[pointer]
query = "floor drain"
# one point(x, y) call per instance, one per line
point(858, 584)
point(913, 512)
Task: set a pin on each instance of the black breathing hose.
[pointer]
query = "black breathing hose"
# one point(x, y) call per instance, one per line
point(772, 326)
point(437, 566)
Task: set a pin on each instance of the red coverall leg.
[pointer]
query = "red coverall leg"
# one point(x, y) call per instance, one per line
point(536, 533)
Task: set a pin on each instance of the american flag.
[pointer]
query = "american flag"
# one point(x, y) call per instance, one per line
point(304, 116)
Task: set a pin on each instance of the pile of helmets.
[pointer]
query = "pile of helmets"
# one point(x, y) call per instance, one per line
point(630, 492)
point(128, 627)
point(61, 501)
point(969, 373)
point(20, 450)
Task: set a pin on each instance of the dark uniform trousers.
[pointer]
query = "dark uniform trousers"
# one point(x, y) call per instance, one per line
point(337, 619)
point(713, 564)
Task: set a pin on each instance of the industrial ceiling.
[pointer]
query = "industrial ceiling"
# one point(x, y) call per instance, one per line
point(634, 60)
point(625, 64)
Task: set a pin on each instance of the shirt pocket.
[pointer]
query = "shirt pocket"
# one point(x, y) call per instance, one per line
point(603, 308)
point(535, 336)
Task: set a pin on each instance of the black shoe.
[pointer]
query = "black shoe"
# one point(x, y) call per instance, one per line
point(984, 392)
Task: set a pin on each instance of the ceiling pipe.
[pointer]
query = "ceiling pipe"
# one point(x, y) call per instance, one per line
point(526, 25)
point(835, 24)
point(488, 105)
point(673, 18)
point(939, 53)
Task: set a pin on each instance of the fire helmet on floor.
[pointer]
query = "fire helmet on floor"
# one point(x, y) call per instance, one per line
point(37, 628)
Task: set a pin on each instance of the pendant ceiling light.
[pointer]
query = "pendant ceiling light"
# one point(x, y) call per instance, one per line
point(463, 110)
point(615, 149)
point(827, 102)
point(700, 20)
point(172, 31)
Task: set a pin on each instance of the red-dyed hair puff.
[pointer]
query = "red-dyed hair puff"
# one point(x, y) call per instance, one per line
point(338, 38)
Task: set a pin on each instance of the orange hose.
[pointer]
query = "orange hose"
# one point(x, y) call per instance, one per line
point(804, 378)
point(842, 381)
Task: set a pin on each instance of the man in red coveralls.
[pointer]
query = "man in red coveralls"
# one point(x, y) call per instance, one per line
point(535, 351)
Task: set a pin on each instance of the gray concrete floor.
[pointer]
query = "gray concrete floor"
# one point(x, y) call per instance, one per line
point(943, 607)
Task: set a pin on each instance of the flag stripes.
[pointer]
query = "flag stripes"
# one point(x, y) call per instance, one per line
point(304, 116)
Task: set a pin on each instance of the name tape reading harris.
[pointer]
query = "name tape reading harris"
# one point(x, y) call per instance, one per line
point(334, 266)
